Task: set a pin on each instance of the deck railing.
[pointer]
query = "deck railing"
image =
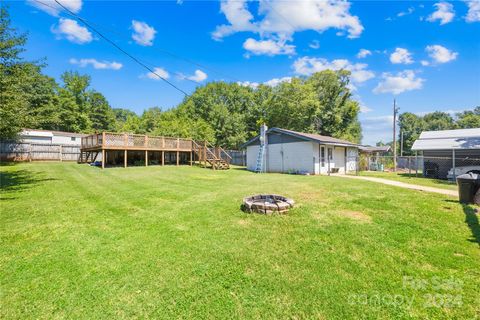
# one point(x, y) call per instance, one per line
point(109, 140)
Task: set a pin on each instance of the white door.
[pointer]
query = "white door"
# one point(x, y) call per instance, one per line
point(339, 159)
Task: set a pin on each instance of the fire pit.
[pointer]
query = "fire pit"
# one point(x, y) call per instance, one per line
point(267, 203)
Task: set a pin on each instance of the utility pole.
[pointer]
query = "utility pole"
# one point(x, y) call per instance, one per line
point(395, 110)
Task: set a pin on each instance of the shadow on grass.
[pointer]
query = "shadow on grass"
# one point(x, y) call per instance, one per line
point(19, 180)
point(438, 181)
point(471, 219)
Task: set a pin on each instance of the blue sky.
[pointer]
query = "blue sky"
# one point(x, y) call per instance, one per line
point(426, 54)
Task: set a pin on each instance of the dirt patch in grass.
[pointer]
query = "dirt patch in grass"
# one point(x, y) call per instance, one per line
point(356, 216)
point(244, 222)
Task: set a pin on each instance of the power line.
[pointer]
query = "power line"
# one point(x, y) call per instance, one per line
point(161, 50)
point(114, 44)
point(145, 64)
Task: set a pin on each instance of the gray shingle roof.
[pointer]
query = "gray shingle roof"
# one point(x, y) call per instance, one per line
point(306, 136)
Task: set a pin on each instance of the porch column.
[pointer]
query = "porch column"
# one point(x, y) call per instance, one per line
point(163, 158)
point(146, 158)
point(103, 158)
point(453, 165)
point(178, 158)
point(125, 153)
point(191, 158)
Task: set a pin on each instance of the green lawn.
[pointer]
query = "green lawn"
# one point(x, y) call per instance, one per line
point(405, 177)
point(168, 242)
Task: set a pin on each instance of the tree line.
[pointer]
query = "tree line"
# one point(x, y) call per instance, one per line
point(226, 114)
point(411, 125)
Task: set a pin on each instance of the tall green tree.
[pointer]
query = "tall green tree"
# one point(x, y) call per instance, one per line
point(438, 121)
point(337, 113)
point(14, 74)
point(469, 119)
point(100, 113)
point(223, 106)
point(412, 126)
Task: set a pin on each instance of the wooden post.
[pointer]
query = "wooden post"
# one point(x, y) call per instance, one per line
point(191, 158)
point(103, 158)
point(163, 157)
point(103, 140)
point(178, 153)
point(453, 164)
point(204, 154)
point(125, 154)
point(146, 158)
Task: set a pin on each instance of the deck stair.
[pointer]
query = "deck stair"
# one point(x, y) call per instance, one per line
point(216, 157)
point(88, 156)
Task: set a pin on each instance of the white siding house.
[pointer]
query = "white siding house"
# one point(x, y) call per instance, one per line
point(295, 152)
point(51, 137)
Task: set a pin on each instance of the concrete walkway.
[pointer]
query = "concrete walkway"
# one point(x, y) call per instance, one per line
point(453, 193)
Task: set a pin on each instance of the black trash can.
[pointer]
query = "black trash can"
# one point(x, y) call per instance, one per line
point(468, 184)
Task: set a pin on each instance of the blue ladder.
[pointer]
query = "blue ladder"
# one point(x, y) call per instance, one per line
point(260, 157)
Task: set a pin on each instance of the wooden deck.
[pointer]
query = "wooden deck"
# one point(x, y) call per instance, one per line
point(121, 141)
point(107, 142)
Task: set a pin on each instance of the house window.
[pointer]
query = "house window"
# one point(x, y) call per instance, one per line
point(330, 154)
point(73, 138)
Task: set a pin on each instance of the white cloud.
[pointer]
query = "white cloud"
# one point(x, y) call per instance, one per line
point(425, 63)
point(410, 10)
point(315, 44)
point(268, 47)
point(52, 8)
point(377, 122)
point(253, 85)
point(444, 13)
point(198, 76)
point(276, 81)
point(72, 31)
point(143, 33)
point(401, 82)
point(271, 83)
point(473, 14)
point(363, 53)
point(284, 18)
point(441, 54)
point(401, 55)
point(158, 72)
point(306, 66)
point(97, 64)
point(364, 108)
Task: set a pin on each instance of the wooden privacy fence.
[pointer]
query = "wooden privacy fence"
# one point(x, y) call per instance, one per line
point(23, 151)
point(239, 157)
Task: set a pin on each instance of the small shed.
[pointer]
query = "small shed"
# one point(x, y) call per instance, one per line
point(298, 152)
point(446, 149)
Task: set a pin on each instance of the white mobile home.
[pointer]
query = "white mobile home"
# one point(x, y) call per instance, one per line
point(51, 137)
point(296, 152)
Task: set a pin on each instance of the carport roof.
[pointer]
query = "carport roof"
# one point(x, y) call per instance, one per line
point(306, 136)
point(448, 139)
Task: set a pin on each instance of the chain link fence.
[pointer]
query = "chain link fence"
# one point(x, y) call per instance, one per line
point(421, 166)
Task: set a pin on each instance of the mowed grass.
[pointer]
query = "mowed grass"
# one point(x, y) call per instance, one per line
point(407, 178)
point(168, 242)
